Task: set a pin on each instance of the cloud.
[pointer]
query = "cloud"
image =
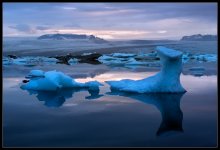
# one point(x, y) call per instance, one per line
point(162, 31)
point(74, 25)
point(69, 8)
point(107, 34)
point(161, 19)
point(112, 12)
point(23, 28)
point(42, 28)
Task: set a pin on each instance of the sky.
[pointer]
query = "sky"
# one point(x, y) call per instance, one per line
point(110, 20)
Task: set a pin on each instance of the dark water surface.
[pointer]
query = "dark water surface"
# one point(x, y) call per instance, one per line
point(81, 118)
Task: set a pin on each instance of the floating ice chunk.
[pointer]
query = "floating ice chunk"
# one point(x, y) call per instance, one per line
point(133, 61)
point(86, 54)
point(35, 73)
point(20, 61)
point(165, 81)
point(48, 60)
point(109, 60)
point(7, 61)
point(54, 80)
point(29, 61)
point(185, 58)
point(73, 61)
point(105, 57)
point(123, 55)
point(147, 56)
point(206, 57)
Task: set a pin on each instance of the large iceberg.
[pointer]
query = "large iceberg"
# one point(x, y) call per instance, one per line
point(165, 81)
point(54, 80)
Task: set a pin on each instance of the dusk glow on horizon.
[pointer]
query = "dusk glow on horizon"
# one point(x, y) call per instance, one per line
point(110, 20)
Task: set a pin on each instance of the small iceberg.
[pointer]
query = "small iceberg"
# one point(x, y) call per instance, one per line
point(165, 81)
point(54, 80)
point(205, 57)
point(35, 73)
point(73, 61)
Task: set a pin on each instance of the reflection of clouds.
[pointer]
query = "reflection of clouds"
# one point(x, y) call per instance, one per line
point(167, 104)
point(11, 82)
point(118, 76)
point(198, 84)
point(70, 105)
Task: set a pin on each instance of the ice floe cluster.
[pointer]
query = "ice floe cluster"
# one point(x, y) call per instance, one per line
point(149, 59)
point(35, 61)
point(128, 59)
point(199, 57)
point(29, 61)
point(114, 59)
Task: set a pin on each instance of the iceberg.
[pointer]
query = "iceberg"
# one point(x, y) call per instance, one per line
point(165, 81)
point(35, 74)
point(54, 80)
point(133, 61)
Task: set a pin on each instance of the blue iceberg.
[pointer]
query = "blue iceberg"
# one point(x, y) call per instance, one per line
point(165, 81)
point(54, 80)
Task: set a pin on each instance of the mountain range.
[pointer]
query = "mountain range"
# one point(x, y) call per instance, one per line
point(199, 37)
point(71, 37)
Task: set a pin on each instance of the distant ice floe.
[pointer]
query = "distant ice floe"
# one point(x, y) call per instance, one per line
point(197, 71)
point(54, 80)
point(73, 61)
point(125, 55)
point(114, 59)
point(29, 61)
point(86, 54)
point(149, 59)
point(205, 57)
point(165, 81)
point(129, 59)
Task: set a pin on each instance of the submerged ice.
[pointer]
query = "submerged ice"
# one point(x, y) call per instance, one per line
point(54, 80)
point(165, 81)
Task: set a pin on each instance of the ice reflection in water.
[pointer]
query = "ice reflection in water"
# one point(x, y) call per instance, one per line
point(57, 98)
point(168, 105)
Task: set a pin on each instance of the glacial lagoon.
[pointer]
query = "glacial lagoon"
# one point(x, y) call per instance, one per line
point(82, 118)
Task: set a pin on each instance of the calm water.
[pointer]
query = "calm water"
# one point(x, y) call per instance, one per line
point(81, 118)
